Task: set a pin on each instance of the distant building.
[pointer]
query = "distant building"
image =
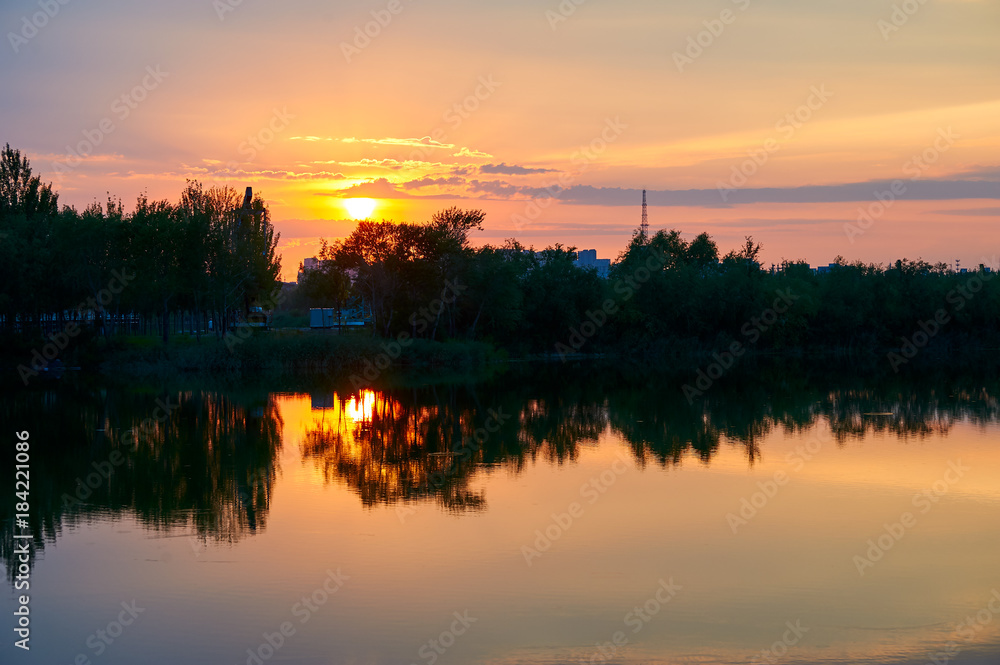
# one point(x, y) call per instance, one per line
point(587, 258)
point(307, 264)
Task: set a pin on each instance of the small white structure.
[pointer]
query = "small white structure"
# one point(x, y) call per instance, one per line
point(332, 318)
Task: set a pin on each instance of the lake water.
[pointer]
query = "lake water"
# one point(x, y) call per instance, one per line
point(557, 515)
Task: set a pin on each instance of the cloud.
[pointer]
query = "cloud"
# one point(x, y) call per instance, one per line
point(78, 159)
point(920, 190)
point(982, 173)
point(298, 242)
point(432, 182)
point(379, 188)
point(971, 212)
point(758, 223)
point(466, 152)
point(271, 174)
point(425, 142)
point(503, 169)
point(499, 188)
point(391, 164)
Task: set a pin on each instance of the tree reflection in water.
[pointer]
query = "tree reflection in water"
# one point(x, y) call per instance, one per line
point(209, 466)
point(205, 464)
point(421, 443)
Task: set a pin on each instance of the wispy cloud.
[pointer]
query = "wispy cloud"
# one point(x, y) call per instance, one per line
point(298, 242)
point(476, 154)
point(382, 188)
point(425, 142)
point(982, 173)
point(926, 190)
point(271, 174)
point(971, 212)
point(432, 182)
point(512, 169)
point(392, 164)
point(379, 188)
point(501, 189)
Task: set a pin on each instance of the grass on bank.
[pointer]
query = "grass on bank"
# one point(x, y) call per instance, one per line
point(323, 351)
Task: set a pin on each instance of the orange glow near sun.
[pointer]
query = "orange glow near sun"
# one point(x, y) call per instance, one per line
point(360, 408)
point(359, 208)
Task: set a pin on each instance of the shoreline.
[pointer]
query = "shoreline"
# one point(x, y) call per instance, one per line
point(366, 358)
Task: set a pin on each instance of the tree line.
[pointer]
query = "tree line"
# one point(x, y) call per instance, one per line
point(164, 266)
point(664, 294)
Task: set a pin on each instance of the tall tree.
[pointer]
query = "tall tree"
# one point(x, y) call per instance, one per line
point(28, 209)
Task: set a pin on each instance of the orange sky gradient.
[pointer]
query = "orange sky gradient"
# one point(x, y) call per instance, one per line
point(502, 107)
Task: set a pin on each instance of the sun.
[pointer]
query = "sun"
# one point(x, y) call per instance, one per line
point(362, 406)
point(359, 208)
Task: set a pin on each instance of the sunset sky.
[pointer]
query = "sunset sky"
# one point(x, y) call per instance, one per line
point(552, 117)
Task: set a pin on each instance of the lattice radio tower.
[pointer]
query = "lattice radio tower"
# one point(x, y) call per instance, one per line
point(644, 226)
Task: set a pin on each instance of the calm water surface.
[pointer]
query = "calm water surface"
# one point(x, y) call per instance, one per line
point(538, 517)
